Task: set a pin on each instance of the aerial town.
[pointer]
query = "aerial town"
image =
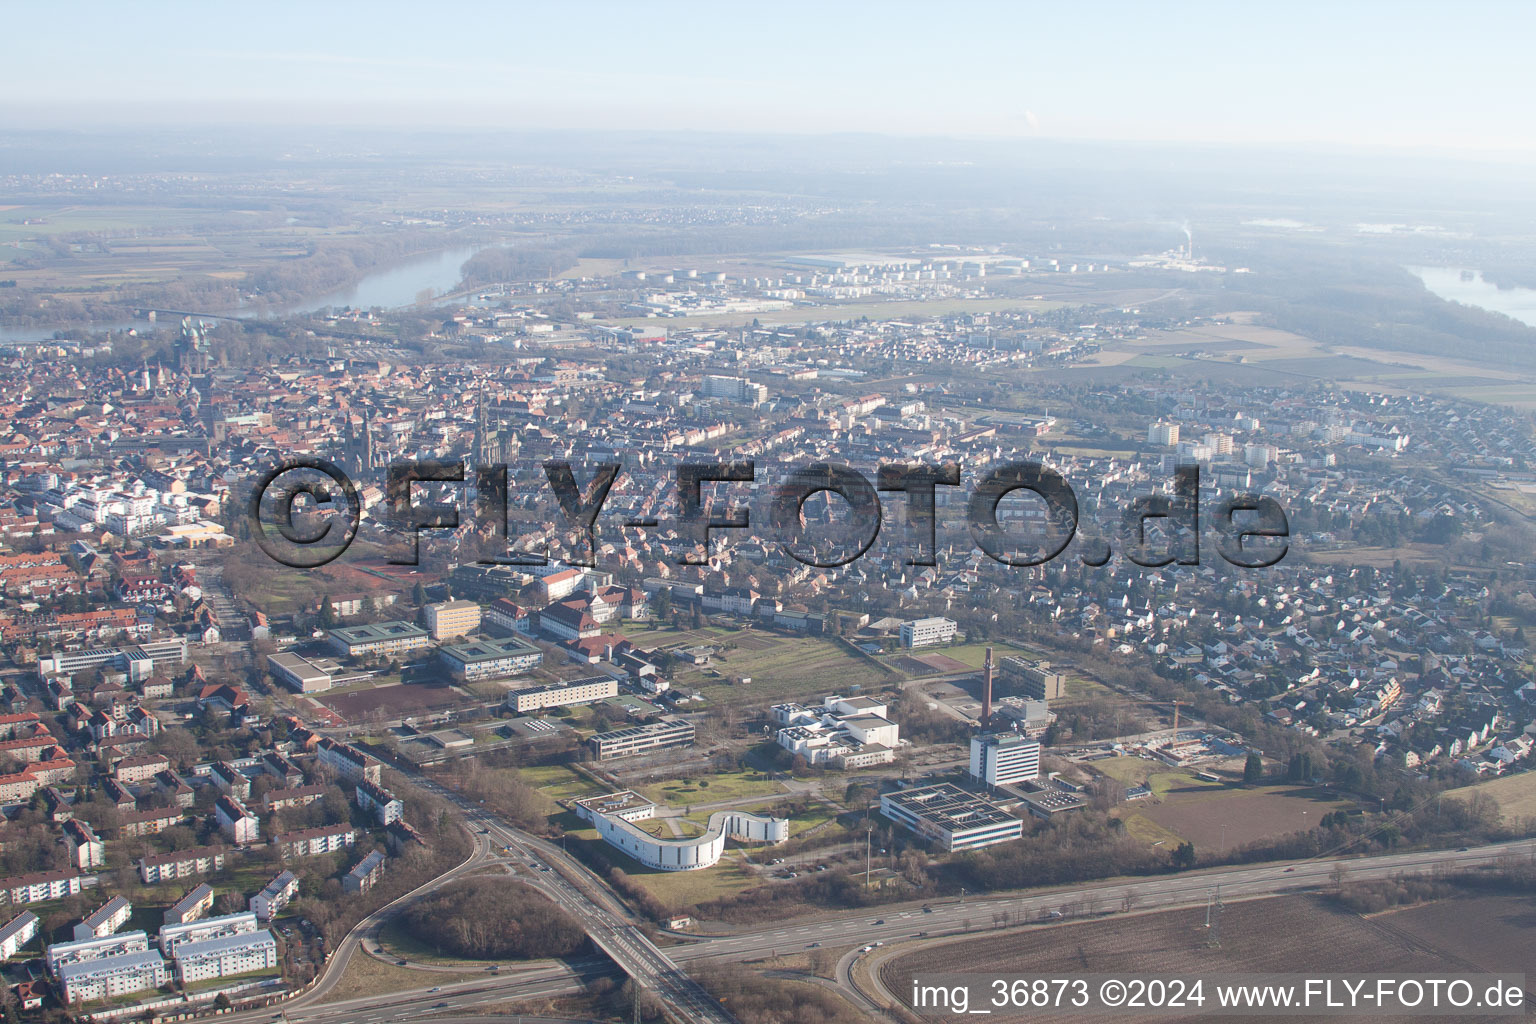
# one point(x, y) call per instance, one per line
point(219, 767)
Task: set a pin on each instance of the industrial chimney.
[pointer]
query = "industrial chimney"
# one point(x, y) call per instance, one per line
point(986, 692)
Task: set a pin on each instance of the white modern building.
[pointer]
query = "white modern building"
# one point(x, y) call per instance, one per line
point(61, 954)
point(950, 817)
point(848, 732)
point(926, 632)
point(615, 814)
point(1003, 758)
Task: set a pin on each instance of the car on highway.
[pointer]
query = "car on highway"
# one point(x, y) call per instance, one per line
point(814, 945)
point(434, 991)
point(879, 920)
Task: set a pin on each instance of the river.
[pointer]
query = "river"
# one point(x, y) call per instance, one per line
point(1468, 288)
point(400, 284)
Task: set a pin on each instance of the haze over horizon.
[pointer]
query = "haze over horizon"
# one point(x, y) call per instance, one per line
point(1373, 75)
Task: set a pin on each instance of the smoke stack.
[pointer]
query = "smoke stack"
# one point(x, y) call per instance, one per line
point(986, 692)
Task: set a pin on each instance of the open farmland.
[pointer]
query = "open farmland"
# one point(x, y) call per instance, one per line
point(1515, 795)
point(1211, 815)
point(1292, 934)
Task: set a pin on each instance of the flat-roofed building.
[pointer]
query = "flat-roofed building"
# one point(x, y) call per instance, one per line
point(499, 658)
point(381, 638)
point(298, 674)
point(1003, 758)
point(61, 954)
point(951, 817)
point(614, 814)
point(451, 618)
point(642, 739)
point(1035, 679)
point(559, 695)
point(927, 632)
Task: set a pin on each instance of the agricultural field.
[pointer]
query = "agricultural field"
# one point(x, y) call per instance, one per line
point(1211, 815)
point(1291, 934)
point(1515, 795)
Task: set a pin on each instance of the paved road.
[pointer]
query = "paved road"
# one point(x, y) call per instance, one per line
point(577, 890)
point(607, 922)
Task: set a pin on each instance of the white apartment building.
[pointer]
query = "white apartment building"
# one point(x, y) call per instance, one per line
point(17, 932)
point(276, 895)
point(225, 955)
point(174, 936)
point(105, 919)
point(112, 976)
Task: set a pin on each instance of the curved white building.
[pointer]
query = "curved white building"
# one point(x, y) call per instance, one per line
point(614, 813)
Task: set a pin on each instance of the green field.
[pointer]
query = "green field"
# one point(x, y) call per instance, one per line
point(780, 667)
point(712, 789)
point(1515, 795)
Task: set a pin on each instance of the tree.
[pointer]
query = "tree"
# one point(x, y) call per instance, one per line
point(1253, 768)
point(1184, 856)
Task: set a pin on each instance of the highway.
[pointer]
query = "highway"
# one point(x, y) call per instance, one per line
point(586, 898)
point(615, 931)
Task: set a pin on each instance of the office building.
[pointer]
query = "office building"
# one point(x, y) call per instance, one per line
point(642, 739)
point(559, 695)
point(950, 817)
point(475, 660)
point(1003, 758)
point(383, 639)
point(926, 632)
point(451, 618)
point(615, 813)
point(1034, 679)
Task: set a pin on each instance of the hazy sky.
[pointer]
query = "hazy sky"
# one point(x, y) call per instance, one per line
point(1454, 77)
